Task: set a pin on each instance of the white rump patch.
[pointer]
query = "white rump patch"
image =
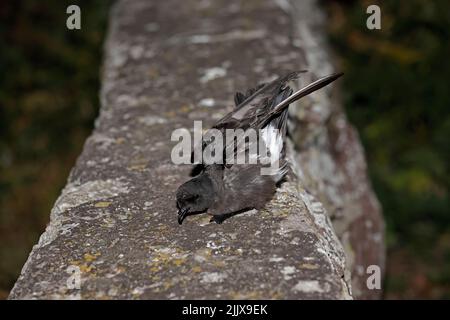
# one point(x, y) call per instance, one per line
point(274, 142)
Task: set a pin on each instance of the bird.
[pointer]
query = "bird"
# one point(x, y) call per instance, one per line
point(226, 189)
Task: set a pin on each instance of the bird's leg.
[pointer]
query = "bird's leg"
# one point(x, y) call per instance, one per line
point(217, 219)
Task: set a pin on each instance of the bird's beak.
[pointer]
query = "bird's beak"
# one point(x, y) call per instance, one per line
point(182, 214)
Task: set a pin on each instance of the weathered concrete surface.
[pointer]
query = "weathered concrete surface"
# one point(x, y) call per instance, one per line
point(169, 63)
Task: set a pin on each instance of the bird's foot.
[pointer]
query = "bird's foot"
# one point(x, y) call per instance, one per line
point(216, 219)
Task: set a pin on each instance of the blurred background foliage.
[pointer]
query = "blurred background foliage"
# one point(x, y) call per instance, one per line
point(395, 92)
point(49, 88)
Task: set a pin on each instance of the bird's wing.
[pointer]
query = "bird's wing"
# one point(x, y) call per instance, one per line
point(251, 107)
point(245, 187)
point(240, 98)
point(272, 135)
point(228, 121)
point(253, 100)
point(284, 104)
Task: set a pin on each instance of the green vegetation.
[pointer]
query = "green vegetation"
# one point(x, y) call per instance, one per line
point(397, 94)
point(48, 101)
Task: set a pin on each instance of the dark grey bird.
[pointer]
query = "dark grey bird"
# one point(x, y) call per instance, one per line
point(223, 190)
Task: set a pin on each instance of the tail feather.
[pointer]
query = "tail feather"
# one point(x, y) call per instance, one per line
point(280, 121)
point(241, 99)
point(283, 105)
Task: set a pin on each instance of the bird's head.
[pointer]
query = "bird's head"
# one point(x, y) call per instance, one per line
point(195, 196)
